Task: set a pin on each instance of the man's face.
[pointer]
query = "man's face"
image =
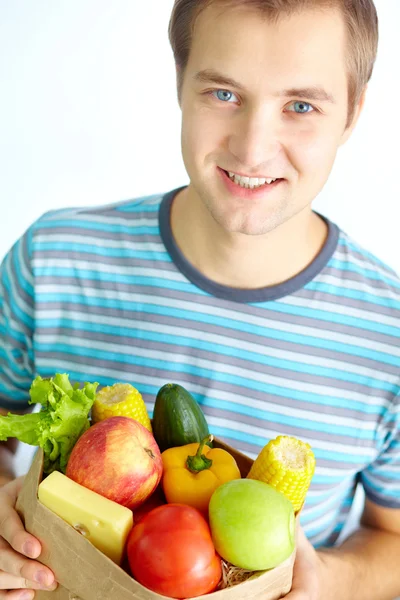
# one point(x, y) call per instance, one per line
point(282, 115)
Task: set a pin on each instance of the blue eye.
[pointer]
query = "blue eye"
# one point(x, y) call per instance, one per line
point(303, 107)
point(224, 95)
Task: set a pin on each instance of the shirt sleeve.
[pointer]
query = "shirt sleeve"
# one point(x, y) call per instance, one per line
point(381, 479)
point(16, 326)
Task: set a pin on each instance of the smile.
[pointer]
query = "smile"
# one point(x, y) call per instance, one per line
point(249, 188)
point(250, 182)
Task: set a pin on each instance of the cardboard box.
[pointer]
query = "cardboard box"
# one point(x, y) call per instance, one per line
point(84, 573)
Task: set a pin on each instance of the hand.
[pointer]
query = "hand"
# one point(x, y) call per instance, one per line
point(19, 577)
point(307, 571)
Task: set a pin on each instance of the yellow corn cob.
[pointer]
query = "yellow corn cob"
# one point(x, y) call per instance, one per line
point(288, 464)
point(120, 400)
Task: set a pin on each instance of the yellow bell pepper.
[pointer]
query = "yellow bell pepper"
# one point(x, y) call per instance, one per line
point(192, 472)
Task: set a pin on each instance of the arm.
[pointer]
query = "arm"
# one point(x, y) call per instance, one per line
point(16, 334)
point(364, 567)
point(18, 571)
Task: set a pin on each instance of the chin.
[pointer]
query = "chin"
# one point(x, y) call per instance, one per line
point(246, 225)
point(250, 222)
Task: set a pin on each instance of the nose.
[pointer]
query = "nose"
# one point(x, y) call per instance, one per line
point(254, 141)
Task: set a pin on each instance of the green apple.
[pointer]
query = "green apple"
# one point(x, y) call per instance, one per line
point(252, 524)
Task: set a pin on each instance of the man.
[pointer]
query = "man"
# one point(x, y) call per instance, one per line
point(269, 314)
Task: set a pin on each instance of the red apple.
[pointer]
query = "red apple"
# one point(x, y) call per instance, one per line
point(119, 459)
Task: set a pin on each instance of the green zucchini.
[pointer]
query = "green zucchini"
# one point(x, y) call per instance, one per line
point(177, 418)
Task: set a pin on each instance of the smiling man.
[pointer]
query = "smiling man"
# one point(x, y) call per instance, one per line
point(264, 110)
point(273, 318)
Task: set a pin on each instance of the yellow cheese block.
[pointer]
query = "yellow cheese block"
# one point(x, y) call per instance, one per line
point(103, 522)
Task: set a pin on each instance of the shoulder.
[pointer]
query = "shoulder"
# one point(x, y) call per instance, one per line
point(61, 229)
point(116, 214)
point(365, 276)
point(90, 229)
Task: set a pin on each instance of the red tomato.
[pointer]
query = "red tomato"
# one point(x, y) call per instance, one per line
point(170, 551)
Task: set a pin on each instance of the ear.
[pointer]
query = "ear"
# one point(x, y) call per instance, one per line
point(350, 128)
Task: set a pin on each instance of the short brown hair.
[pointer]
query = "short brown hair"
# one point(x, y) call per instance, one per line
point(360, 18)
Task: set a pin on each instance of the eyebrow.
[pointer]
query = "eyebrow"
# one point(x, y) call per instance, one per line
point(311, 92)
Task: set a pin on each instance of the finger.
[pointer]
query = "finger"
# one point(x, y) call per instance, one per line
point(11, 582)
point(15, 564)
point(12, 530)
point(17, 595)
point(13, 488)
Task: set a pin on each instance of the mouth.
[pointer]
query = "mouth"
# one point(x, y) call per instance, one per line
point(251, 182)
point(249, 186)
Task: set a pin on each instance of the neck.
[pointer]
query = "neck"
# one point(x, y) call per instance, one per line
point(244, 261)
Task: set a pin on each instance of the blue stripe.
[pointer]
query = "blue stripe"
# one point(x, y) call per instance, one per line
point(350, 267)
point(16, 395)
point(143, 362)
point(116, 228)
point(369, 257)
point(308, 397)
point(26, 319)
point(98, 250)
point(260, 332)
point(29, 242)
point(226, 350)
point(317, 545)
point(332, 317)
point(348, 500)
point(333, 456)
point(31, 355)
point(13, 366)
point(182, 286)
point(250, 438)
point(384, 500)
point(319, 496)
point(284, 308)
point(328, 526)
point(327, 529)
point(320, 510)
point(361, 296)
point(319, 479)
point(279, 417)
point(389, 475)
point(9, 332)
point(101, 379)
point(22, 282)
point(379, 490)
point(223, 432)
point(141, 206)
point(340, 524)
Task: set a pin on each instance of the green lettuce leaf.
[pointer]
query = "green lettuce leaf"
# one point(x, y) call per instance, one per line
point(63, 417)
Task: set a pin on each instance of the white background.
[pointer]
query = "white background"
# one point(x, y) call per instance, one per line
point(88, 115)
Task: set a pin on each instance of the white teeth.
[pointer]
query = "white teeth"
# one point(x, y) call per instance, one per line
point(249, 182)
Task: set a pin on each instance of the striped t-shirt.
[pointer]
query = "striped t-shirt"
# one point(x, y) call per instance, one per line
point(105, 295)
